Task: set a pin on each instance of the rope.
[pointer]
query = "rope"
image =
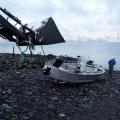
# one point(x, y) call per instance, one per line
point(31, 47)
point(22, 53)
point(25, 49)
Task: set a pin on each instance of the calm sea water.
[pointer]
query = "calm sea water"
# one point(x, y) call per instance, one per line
point(100, 52)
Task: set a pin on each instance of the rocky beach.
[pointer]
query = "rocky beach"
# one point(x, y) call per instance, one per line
point(25, 94)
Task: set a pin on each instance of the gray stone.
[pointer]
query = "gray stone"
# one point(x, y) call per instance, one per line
point(51, 107)
point(86, 107)
point(68, 99)
point(25, 117)
point(62, 115)
point(55, 98)
point(3, 92)
point(6, 106)
point(17, 72)
point(9, 91)
point(117, 91)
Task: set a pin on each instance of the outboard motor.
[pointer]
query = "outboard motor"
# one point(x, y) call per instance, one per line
point(58, 62)
point(46, 70)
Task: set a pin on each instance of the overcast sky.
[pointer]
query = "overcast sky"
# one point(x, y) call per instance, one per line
point(74, 18)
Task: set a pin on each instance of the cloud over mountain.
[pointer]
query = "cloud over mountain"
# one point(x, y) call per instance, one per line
point(74, 18)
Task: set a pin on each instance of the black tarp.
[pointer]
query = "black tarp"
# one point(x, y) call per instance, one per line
point(49, 33)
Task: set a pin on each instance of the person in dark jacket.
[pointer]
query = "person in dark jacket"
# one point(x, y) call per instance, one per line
point(111, 64)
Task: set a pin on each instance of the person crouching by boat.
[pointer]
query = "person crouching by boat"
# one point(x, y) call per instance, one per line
point(111, 64)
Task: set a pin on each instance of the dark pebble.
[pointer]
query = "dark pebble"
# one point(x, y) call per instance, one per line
point(54, 98)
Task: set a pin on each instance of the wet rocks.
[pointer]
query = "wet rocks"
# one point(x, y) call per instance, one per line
point(25, 94)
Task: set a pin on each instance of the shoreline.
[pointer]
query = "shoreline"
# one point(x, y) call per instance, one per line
point(28, 95)
point(16, 58)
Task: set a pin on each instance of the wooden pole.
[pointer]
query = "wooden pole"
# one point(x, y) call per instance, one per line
point(13, 51)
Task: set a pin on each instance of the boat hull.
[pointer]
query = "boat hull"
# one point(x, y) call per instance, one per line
point(63, 75)
point(69, 77)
